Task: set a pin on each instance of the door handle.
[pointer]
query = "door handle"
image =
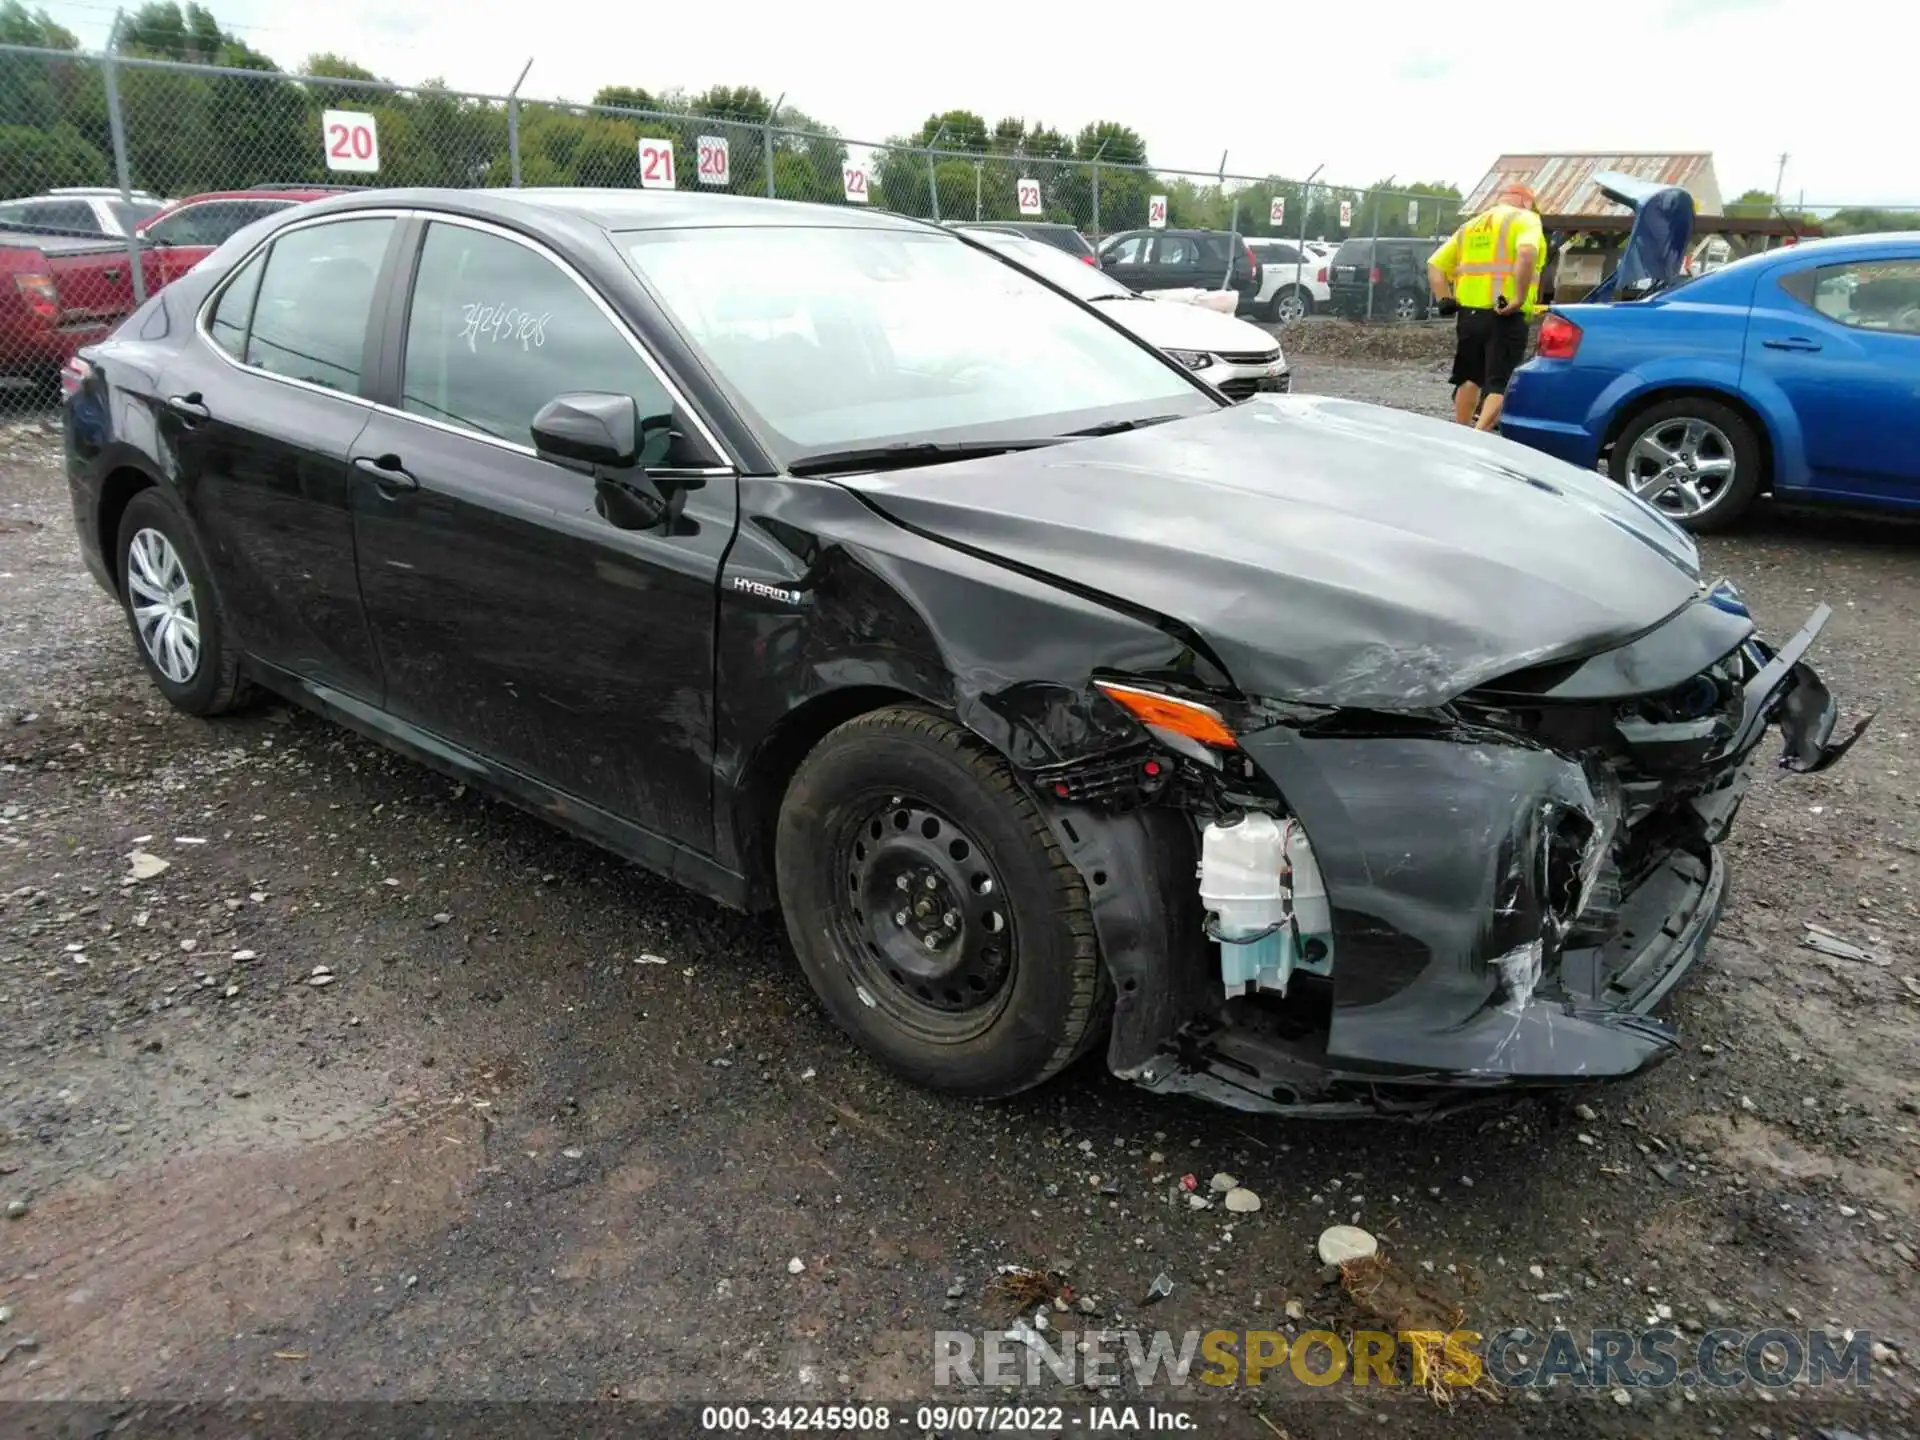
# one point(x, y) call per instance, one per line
point(189, 407)
point(1792, 342)
point(388, 474)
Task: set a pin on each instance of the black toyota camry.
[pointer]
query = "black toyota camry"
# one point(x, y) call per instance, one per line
point(1305, 754)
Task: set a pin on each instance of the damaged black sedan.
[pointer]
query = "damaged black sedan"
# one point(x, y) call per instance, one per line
point(1308, 755)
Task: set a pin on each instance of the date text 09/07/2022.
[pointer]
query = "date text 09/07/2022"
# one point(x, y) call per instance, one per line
point(943, 1419)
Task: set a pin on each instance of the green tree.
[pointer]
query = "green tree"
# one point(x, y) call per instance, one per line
point(1756, 204)
point(1110, 142)
point(957, 129)
point(625, 97)
point(33, 158)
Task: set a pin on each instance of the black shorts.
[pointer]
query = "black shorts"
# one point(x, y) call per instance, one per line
point(1489, 349)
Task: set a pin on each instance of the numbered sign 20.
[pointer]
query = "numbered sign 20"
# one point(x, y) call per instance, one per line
point(352, 140)
point(656, 164)
point(1029, 193)
point(855, 179)
point(1277, 211)
point(1346, 213)
point(713, 165)
point(1157, 211)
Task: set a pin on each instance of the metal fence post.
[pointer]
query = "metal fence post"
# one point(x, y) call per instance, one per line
point(513, 123)
point(123, 172)
point(1306, 204)
point(979, 169)
point(1095, 163)
point(1373, 262)
point(766, 142)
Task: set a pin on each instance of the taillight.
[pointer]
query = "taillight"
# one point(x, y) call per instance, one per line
point(73, 375)
point(1322, 276)
point(1376, 275)
point(38, 290)
point(1559, 337)
point(1092, 260)
point(1253, 261)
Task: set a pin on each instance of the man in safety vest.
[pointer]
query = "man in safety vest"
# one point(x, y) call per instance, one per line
point(1489, 273)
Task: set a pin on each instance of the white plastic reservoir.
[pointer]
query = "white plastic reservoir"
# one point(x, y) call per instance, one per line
point(1262, 888)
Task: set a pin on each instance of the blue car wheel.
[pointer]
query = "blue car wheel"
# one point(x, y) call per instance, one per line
point(1693, 459)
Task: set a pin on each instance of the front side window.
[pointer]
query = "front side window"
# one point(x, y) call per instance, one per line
point(1130, 251)
point(497, 330)
point(843, 338)
point(310, 320)
point(1865, 295)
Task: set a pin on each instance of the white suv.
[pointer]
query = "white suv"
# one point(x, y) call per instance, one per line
point(1293, 279)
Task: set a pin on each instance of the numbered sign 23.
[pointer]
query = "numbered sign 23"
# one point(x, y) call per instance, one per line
point(352, 141)
point(855, 179)
point(1029, 194)
point(1157, 211)
point(1277, 211)
point(1346, 213)
point(656, 164)
point(713, 164)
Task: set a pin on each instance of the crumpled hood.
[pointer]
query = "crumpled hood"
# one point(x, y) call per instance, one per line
point(1327, 551)
point(1656, 247)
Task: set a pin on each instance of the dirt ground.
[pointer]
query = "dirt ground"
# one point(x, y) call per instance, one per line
point(382, 1091)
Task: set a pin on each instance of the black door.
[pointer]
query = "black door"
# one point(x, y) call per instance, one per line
point(260, 425)
point(510, 618)
point(1124, 257)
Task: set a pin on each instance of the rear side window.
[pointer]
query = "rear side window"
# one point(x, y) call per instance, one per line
point(1175, 250)
point(211, 223)
point(1866, 295)
point(497, 330)
point(228, 323)
point(310, 319)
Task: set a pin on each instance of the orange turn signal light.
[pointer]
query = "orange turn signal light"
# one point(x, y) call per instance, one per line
point(1183, 717)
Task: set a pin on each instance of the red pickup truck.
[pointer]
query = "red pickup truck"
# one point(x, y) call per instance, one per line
point(58, 293)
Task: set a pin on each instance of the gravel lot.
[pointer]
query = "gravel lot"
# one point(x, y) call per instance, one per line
point(384, 1091)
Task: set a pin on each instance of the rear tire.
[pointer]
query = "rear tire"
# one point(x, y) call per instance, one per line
point(1705, 431)
point(180, 628)
point(932, 909)
point(1289, 303)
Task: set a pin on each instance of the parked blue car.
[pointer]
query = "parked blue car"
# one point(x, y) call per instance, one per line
point(1794, 372)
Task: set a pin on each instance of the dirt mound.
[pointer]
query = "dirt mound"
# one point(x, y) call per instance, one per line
point(1323, 337)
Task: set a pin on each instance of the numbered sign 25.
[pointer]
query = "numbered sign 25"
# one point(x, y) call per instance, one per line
point(656, 164)
point(1346, 213)
point(1029, 194)
point(1277, 211)
point(352, 141)
point(1157, 211)
point(855, 177)
point(713, 164)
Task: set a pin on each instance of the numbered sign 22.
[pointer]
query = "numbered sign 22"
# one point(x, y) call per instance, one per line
point(656, 164)
point(713, 165)
point(1157, 211)
point(1277, 211)
point(1029, 194)
point(1346, 213)
point(352, 141)
point(855, 179)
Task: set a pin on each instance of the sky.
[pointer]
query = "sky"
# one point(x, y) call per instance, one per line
point(1387, 88)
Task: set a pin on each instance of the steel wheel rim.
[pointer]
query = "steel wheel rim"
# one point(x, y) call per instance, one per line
point(923, 920)
point(1683, 466)
point(165, 614)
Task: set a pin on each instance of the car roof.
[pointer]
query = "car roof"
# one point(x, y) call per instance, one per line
point(625, 210)
point(1840, 247)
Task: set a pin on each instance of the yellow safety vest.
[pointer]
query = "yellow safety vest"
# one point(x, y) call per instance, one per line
point(1483, 255)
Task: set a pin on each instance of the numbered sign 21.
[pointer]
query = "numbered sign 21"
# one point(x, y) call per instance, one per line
point(352, 140)
point(1277, 211)
point(1346, 213)
point(1029, 194)
point(713, 165)
point(854, 177)
point(656, 164)
point(1157, 211)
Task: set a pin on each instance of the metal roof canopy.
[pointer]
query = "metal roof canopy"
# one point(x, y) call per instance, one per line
point(1564, 184)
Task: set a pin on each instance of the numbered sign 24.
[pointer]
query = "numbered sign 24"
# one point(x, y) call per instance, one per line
point(1157, 211)
point(855, 179)
point(1028, 192)
point(352, 141)
point(656, 164)
point(1277, 211)
point(713, 164)
point(1346, 213)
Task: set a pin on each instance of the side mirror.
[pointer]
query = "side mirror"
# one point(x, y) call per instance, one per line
point(589, 429)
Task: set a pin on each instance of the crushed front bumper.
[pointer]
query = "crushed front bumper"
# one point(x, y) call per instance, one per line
point(1431, 845)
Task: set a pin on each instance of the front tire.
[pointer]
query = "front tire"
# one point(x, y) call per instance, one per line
point(932, 909)
point(179, 627)
point(1695, 460)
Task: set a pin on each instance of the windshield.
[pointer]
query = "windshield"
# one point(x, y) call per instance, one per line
point(836, 338)
point(1056, 266)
